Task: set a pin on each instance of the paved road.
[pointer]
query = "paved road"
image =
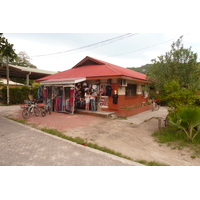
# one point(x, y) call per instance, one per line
point(21, 145)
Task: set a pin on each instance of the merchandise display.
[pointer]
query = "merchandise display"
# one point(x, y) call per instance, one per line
point(83, 95)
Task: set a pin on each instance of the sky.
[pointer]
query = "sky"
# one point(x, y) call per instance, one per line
point(59, 51)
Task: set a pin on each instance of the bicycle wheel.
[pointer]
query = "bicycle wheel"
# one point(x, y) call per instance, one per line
point(49, 110)
point(43, 112)
point(157, 106)
point(36, 111)
point(25, 113)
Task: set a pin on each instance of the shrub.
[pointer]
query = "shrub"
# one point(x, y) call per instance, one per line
point(25, 90)
point(17, 94)
point(188, 120)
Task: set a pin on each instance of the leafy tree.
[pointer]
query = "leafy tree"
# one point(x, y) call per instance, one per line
point(6, 49)
point(143, 69)
point(176, 74)
point(7, 52)
point(177, 96)
point(23, 60)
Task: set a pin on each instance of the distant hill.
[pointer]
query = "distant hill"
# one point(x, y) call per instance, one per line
point(143, 69)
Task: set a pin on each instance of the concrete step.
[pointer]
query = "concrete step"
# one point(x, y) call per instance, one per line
point(105, 114)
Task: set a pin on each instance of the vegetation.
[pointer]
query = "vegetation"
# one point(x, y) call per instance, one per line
point(176, 139)
point(188, 121)
point(6, 50)
point(151, 163)
point(176, 75)
point(143, 69)
point(19, 94)
point(23, 60)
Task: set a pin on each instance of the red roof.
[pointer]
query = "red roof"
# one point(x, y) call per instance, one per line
point(93, 68)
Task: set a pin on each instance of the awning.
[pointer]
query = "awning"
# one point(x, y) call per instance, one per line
point(21, 72)
point(64, 81)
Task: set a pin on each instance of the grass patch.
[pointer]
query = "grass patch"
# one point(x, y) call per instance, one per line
point(151, 163)
point(177, 140)
point(22, 121)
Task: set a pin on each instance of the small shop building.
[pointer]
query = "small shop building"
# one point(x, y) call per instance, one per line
point(98, 86)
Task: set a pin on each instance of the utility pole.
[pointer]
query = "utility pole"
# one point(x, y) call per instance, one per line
point(7, 76)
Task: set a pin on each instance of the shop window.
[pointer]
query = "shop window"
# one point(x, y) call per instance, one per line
point(131, 90)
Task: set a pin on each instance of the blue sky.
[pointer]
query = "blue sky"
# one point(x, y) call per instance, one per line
point(133, 51)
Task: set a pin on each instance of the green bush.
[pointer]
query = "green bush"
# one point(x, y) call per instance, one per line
point(25, 91)
point(17, 94)
point(35, 92)
point(4, 94)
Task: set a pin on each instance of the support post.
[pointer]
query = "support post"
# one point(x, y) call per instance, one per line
point(7, 76)
point(27, 79)
point(159, 126)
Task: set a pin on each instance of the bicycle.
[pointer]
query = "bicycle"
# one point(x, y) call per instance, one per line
point(30, 109)
point(46, 107)
point(155, 105)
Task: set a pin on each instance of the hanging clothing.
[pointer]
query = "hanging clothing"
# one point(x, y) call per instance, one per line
point(58, 103)
point(68, 107)
point(39, 93)
point(45, 93)
point(71, 95)
point(108, 90)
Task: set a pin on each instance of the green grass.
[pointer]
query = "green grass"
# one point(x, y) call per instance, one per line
point(177, 140)
point(151, 163)
point(17, 120)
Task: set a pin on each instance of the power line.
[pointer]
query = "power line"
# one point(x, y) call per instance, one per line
point(91, 46)
point(144, 48)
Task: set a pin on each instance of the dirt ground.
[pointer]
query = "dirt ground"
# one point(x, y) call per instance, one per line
point(131, 140)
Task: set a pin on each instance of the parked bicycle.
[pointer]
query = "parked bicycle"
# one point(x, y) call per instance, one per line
point(155, 105)
point(46, 107)
point(31, 109)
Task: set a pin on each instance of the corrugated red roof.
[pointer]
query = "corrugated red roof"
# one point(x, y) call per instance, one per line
point(90, 67)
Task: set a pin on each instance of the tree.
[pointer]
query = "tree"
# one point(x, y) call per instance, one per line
point(23, 60)
point(143, 69)
point(7, 52)
point(176, 72)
